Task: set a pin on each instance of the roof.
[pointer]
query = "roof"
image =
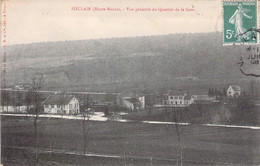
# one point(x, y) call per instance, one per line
point(177, 93)
point(58, 99)
point(132, 100)
point(187, 97)
point(202, 97)
point(236, 87)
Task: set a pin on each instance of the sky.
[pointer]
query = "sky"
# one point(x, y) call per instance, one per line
point(33, 21)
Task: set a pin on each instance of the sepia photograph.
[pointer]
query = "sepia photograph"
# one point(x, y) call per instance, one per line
point(130, 83)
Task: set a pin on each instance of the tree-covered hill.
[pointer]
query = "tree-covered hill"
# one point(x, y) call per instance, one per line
point(125, 62)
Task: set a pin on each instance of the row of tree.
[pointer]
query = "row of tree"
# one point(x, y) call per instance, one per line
point(14, 102)
point(216, 92)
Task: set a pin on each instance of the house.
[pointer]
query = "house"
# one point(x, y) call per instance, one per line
point(61, 104)
point(141, 102)
point(203, 99)
point(130, 103)
point(188, 99)
point(234, 91)
point(178, 99)
point(133, 100)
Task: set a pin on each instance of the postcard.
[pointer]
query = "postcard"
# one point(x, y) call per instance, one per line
point(141, 82)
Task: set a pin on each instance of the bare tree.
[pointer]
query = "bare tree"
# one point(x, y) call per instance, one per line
point(19, 98)
point(149, 101)
point(200, 107)
point(28, 100)
point(178, 116)
point(86, 125)
point(36, 86)
point(13, 100)
point(116, 100)
point(62, 103)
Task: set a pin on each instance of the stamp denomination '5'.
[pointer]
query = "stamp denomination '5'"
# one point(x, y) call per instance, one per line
point(240, 22)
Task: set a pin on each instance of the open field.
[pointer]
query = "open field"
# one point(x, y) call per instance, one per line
point(200, 114)
point(138, 142)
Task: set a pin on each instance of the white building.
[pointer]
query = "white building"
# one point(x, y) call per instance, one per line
point(178, 99)
point(132, 100)
point(130, 103)
point(234, 91)
point(142, 102)
point(61, 104)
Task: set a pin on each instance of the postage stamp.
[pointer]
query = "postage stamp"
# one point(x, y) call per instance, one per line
point(240, 22)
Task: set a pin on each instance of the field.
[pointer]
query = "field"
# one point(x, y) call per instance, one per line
point(130, 143)
point(201, 114)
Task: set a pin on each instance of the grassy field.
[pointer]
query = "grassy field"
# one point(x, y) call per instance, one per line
point(136, 143)
point(201, 114)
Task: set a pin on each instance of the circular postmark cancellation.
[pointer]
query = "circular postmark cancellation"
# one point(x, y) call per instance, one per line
point(248, 63)
point(240, 22)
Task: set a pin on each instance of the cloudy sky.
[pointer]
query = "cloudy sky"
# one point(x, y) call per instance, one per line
point(31, 21)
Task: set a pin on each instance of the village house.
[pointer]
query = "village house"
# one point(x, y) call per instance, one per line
point(132, 100)
point(234, 91)
point(130, 103)
point(61, 104)
point(188, 99)
point(178, 99)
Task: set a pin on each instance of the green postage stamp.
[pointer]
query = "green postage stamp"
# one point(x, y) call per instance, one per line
point(240, 22)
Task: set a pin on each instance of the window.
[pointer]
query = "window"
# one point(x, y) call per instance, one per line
point(180, 102)
point(176, 102)
point(171, 97)
point(70, 106)
point(52, 106)
point(180, 97)
point(46, 106)
point(58, 106)
point(176, 97)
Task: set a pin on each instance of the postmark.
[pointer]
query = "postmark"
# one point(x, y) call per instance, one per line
point(240, 22)
point(249, 61)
